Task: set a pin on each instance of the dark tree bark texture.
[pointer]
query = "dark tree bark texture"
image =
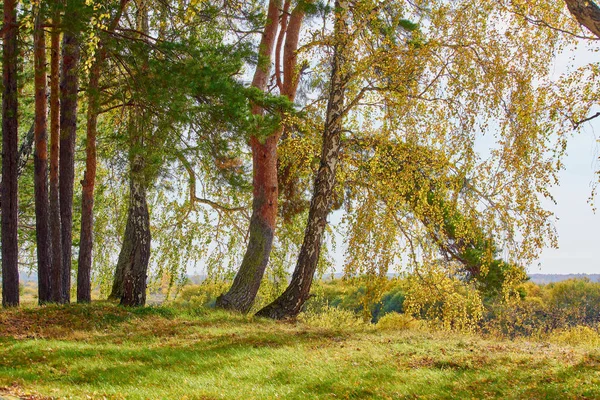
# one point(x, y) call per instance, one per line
point(55, 225)
point(10, 250)
point(69, 87)
point(41, 165)
point(587, 13)
point(135, 252)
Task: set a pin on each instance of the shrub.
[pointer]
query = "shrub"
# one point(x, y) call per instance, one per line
point(202, 295)
point(332, 318)
point(577, 300)
point(399, 322)
point(443, 299)
point(576, 336)
point(523, 317)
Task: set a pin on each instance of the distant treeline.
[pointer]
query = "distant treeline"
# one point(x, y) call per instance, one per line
point(541, 279)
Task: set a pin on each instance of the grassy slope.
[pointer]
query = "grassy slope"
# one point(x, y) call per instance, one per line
point(106, 351)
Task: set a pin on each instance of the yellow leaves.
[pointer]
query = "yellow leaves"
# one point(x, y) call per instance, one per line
point(192, 9)
point(97, 23)
point(436, 294)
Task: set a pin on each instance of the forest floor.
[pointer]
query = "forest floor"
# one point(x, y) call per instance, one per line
point(105, 351)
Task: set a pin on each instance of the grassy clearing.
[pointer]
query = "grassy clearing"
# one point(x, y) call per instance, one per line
point(104, 351)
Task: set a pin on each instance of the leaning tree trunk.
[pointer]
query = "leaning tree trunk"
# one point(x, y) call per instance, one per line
point(40, 161)
point(55, 225)
point(69, 87)
point(10, 250)
point(291, 301)
point(245, 286)
point(587, 13)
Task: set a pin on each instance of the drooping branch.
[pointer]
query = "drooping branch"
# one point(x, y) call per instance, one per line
point(577, 124)
point(192, 191)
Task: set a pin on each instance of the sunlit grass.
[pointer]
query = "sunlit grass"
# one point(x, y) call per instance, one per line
point(107, 351)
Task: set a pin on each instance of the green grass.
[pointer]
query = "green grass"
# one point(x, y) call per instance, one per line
point(104, 351)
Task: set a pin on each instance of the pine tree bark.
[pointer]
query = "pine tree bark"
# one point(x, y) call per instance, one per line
point(69, 87)
point(10, 250)
point(587, 13)
point(290, 303)
point(55, 225)
point(40, 161)
point(242, 293)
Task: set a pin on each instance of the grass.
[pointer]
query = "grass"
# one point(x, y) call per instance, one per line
point(105, 351)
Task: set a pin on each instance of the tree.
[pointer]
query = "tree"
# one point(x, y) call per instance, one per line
point(87, 196)
point(10, 250)
point(41, 160)
point(69, 91)
point(247, 281)
point(55, 218)
point(413, 87)
point(135, 252)
point(291, 301)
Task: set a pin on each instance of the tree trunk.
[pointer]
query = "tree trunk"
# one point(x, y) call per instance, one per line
point(10, 250)
point(55, 225)
point(84, 265)
point(290, 303)
point(587, 13)
point(245, 286)
point(293, 202)
point(117, 287)
point(135, 253)
point(84, 289)
point(41, 163)
point(69, 87)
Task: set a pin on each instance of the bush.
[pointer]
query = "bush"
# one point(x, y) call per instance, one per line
point(399, 322)
point(542, 309)
point(352, 295)
point(524, 317)
point(449, 303)
point(202, 295)
point(333, 318)
point(576, 336)
point(576, 300)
